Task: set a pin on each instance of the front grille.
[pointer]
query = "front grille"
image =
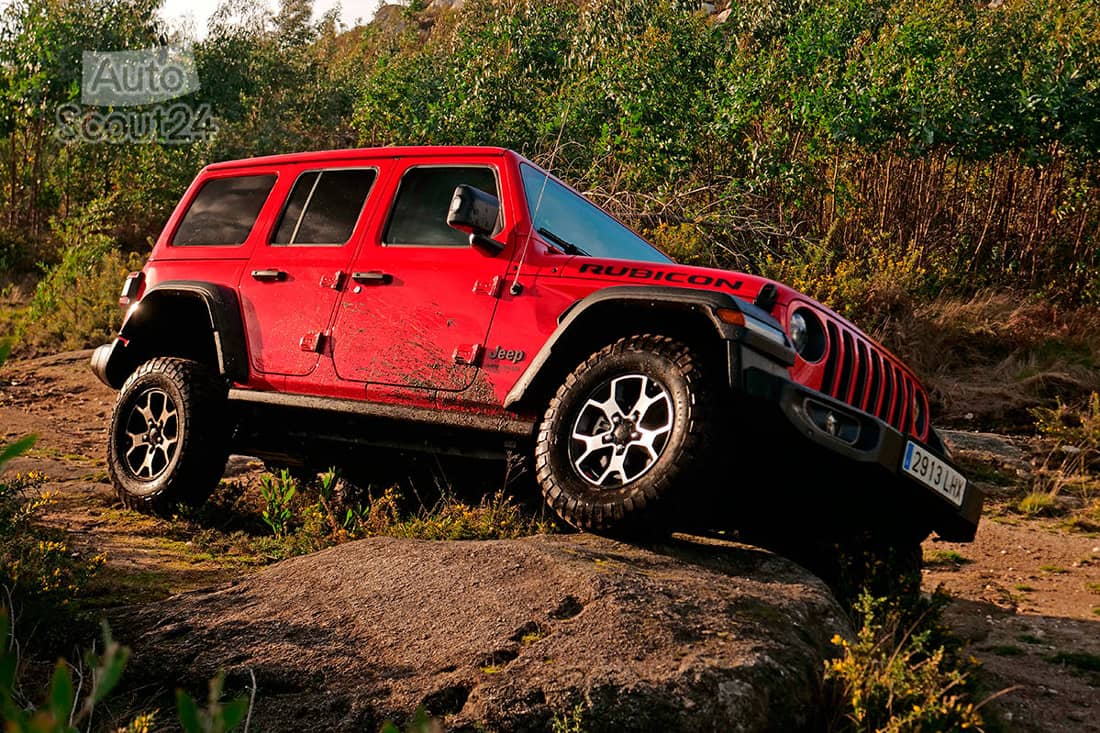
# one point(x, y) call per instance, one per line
point(858, 373)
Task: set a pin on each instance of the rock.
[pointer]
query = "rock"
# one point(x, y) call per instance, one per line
point(446, 5)
point(506, 635)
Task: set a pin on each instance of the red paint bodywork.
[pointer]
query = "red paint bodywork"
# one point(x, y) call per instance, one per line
point(396, 343)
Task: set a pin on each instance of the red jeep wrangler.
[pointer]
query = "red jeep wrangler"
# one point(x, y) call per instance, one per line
point(311, 308)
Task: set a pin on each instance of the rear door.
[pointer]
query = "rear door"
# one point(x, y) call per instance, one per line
point(293, 280)
point(418, 309)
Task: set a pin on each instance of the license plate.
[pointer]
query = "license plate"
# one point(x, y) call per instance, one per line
point(934, 473)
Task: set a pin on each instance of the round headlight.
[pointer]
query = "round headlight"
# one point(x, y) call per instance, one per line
point(798, 332)
point(807, 334)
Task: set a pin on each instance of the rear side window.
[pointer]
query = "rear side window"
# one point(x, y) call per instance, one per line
point(420, 210)
point(324, 206)
point(224, 211)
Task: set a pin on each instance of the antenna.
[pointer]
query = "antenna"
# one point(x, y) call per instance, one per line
point(516, 288)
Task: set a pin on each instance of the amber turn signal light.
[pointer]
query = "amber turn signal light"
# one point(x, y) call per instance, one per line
point(731, 316)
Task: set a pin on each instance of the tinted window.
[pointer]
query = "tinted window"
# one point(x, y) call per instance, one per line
point(568, 215)
point(323, 207)
point(223, 211)
point(420, 211)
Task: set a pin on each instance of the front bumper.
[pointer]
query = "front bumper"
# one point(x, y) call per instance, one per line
point(873, 444)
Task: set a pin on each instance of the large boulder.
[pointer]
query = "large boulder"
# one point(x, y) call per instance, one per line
point(507, 635)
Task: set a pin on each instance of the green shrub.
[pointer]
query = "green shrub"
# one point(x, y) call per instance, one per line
point(899, 674)
point(1038, 504)
point(75, 305)
point(37, 566)
point(278, 492)
point(62, 712)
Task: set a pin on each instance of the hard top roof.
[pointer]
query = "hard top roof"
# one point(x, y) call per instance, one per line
point(324, 156)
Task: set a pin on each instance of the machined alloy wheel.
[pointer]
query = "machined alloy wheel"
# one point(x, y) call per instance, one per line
point(153, 428)
point(621, 430)
point(169, 435)
point(626, 432)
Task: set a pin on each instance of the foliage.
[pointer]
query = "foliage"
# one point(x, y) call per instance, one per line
point(331, 511)
point(76, 302)
point(1071, 434)
point(217, 716)
point(43, 574)
point(873, 153)
point(59, 712)
point(37, 567)
point(571, 722)
point(278, 493)
point(420, 722)
point(898, 675)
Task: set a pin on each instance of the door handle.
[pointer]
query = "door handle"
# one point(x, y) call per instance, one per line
point(373, 277)
point(269, 275)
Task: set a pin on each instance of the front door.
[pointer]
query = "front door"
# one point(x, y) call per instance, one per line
point(418, 308)
point(293, 281)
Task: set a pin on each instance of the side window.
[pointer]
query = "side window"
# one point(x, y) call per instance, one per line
point(223, 211)
point(324, 206)
point(419, 213)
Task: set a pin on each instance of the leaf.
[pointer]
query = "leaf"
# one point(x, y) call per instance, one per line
point(233, 713)
point(17, 448)
point(61, 692)
point(188, 712)
point(111, 672)
point(5, 351)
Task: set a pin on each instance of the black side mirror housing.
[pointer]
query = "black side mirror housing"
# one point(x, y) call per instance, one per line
point(477, 213)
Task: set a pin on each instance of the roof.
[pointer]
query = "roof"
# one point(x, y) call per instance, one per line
point(322, 156)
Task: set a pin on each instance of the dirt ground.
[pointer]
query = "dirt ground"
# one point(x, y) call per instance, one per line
point(1026, 592)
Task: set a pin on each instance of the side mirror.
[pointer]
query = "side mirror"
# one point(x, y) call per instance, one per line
point(475, 212)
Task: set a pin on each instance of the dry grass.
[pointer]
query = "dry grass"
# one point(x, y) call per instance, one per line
point(989, 360)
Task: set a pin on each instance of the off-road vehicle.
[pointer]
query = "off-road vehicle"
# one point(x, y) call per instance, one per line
point(311, 309)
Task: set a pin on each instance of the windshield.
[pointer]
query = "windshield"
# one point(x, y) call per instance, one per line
point(574, 224)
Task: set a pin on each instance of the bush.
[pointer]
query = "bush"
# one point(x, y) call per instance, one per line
point(75, 305)
point(900, 674)
point(309, 517)
point(37, 567)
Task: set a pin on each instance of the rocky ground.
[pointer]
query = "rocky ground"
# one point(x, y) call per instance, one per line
point(1026, 592)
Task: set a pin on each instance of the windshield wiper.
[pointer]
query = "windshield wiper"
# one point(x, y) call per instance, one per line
point(568, 247)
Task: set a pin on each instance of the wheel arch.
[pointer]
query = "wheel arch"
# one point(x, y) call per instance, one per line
point(181, 318)
point(612, 313)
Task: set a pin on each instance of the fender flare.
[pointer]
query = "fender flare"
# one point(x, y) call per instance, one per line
point(760, 331)
point(113, 362)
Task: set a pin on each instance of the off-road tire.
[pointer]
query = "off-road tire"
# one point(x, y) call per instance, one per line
point(641, 505)
point(190, 469)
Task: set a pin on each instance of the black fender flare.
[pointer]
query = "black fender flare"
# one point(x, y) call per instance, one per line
point(113, 363)
point(761, 331)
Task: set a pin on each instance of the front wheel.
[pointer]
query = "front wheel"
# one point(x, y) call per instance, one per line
point(627, 429)
point(169, 436)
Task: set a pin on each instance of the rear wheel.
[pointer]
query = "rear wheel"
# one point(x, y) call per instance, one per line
point(168, 435)
point(626, 431)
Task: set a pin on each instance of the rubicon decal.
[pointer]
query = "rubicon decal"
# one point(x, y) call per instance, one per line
point(502, 354)
point(671, 276)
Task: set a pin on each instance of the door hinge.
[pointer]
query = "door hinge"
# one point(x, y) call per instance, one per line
point(491, 288)
point(312, 342)
point(469, 355)
point(334, 281)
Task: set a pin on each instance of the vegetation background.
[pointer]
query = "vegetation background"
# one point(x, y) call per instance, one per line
point(882, 155)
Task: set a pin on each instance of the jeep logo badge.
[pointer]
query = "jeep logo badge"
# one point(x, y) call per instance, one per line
point(502, 354)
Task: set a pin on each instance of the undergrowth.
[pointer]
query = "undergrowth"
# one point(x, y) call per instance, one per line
point(301, 516)
point(902, 671)
point(41, 573)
